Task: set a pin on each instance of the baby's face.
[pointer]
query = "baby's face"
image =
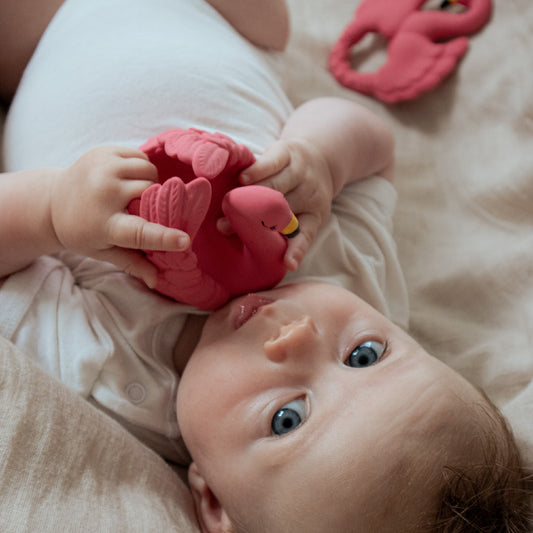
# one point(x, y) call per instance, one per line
point(305, 404)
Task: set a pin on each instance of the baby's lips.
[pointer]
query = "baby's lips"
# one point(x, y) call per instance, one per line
point(245, 308)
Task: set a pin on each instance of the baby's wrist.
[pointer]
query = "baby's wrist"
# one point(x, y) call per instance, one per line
point(314, 152)
point(57, 205)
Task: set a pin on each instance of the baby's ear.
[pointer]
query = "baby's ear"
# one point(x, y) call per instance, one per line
point(211, 516)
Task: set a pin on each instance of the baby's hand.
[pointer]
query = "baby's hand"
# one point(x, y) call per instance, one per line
point(299, 171)
point(89, 214)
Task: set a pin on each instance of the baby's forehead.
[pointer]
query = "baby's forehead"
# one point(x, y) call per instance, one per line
point(336, 492)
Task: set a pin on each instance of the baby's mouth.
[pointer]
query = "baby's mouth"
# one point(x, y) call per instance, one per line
point(247, 307)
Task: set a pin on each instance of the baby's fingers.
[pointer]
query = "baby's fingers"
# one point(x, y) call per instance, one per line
point(296, 250)
point(129, 231)
point(275, 158)
point(225, 227)
point(299, 246)
point(137, 168)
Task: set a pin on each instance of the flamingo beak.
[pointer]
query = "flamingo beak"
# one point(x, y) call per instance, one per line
point(292, 228)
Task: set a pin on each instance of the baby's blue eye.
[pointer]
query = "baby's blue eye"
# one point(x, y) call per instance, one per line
point(365, 354)
point(289, 417)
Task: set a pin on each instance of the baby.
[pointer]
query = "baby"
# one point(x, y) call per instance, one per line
point(404, 443)
point(303, 408)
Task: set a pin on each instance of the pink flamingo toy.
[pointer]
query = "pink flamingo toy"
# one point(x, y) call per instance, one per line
point(424, 46)
point(198, 184)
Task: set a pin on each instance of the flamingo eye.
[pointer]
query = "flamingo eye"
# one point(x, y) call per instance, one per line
point(272, 228)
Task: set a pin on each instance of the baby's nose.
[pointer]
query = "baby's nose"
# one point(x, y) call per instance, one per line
point(295, 340)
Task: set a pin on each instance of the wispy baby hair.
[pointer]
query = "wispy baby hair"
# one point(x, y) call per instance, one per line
point(493, 495)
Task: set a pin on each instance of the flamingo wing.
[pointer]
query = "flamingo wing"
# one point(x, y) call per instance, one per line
point(182, 206)
point(208, 165)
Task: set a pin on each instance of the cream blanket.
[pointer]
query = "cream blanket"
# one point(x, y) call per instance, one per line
point(464, 224)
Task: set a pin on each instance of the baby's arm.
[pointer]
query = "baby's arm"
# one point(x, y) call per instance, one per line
point(355, 142)
point(325, 144)
point(84, 209)
point(263, 22)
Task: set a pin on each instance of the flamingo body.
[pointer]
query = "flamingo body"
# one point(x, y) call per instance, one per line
point(198, 184)
point(424, 46)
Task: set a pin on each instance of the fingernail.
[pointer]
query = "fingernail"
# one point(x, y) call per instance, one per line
point(183, 242)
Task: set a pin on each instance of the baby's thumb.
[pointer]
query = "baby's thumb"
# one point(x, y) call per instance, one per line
point(271, 162)
point(299, 245)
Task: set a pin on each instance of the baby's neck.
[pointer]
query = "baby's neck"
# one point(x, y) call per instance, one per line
point(187, 341)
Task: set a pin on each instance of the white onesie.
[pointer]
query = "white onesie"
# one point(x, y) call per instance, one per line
point(121, 71)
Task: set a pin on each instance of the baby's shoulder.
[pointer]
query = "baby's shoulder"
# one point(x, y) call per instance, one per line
point(22, 24)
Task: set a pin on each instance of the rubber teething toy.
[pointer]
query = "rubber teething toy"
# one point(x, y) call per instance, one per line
point(198, 174)
point(423, 46)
